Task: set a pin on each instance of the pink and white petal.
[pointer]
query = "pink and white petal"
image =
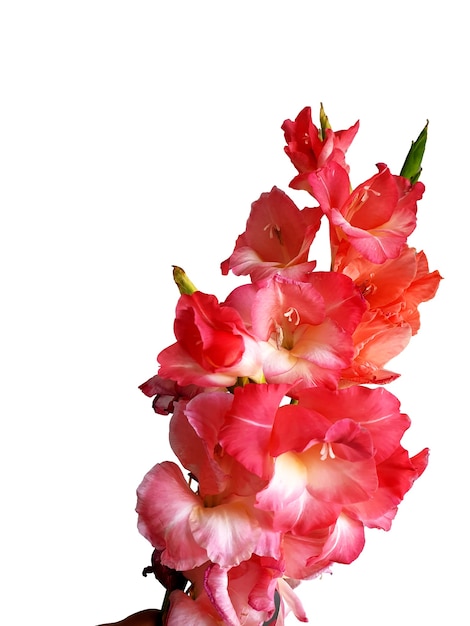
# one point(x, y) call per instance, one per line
point(287, 484)
point(327, 345)
point(273, 302)
point(227, 532)
point(305, 515)
point(164, 505)
point(281, 366)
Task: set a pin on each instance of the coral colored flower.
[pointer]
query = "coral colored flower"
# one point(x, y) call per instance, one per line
point(277, 239)
point(393, 291)
point(422, 288)
point(377, 340)
point(213, 347)
point(304, 328)
point(396, 287)
point(376, 218)
point(309, 151)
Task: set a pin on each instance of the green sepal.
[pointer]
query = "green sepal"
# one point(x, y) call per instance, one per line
point(182, 281)
point(412, 166)
point(324, 122)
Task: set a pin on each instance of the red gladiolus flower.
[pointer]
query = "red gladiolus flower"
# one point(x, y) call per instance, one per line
point(309, 151)
point(213, 347)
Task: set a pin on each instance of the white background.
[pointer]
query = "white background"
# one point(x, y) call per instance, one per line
point(134, 136)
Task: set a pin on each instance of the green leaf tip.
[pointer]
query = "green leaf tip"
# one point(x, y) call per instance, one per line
point(412, 166)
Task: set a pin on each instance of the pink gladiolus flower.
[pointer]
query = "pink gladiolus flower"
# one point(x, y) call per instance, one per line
point(288, 457)
point(309, 152)
point(320, 456)
point(376, 218)
point(213, 347)
point(240, 596)
point(164, 505)
point(189, 530)
point(277, 239)
point(304, 328)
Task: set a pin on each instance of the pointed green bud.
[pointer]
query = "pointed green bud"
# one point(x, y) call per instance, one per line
point(324, 122)
point(184, 284)
point(412, 166)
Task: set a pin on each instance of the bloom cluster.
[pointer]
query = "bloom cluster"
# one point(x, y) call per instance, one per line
point(289, 442)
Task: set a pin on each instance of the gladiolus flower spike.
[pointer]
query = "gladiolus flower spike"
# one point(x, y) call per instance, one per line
point(287, 443)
